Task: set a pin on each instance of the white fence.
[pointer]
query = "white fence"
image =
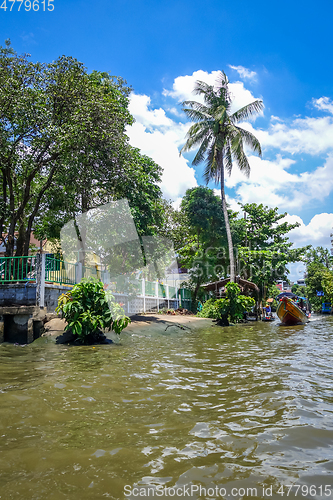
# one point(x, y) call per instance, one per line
point(149, 297)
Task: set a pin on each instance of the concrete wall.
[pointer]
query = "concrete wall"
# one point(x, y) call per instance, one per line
point(52, 292)
point(18, 294)
point(21, 320)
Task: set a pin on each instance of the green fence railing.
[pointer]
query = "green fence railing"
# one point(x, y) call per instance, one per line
point(58, 271)
point(91, 272)
point(13, 269)
point(24, 269)
point(150, 288)
point(161, 291)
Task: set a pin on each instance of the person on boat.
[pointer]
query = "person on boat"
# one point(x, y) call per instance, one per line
point(268, 310)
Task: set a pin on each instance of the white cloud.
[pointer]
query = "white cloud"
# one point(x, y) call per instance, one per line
point(138, 107)
point(159, 137)
point(303, 135)
point(324, 104)
point(316, 233)
point(176, 203)
point(244, 72)
point(183, 86)
point(272, 184)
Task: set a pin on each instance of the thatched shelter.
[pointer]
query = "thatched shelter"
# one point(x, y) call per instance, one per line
point(218, 286)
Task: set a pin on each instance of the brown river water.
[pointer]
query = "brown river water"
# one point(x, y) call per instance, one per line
point(231, 412)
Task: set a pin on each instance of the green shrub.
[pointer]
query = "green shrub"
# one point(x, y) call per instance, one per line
point(232, 307)
point(89, 309)
point(208, 309)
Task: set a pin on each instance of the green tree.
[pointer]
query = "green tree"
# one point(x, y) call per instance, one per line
point(136, 178)
point(89, 310)
point(314, 283)
point(319, 264)
point(299, 290)
point(63, 148)
point(320, 255)
point(265, 249)
point(327, 283)
point(204, 251)
point(220, 139)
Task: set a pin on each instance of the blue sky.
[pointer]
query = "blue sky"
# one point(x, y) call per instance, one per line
point(280, 52)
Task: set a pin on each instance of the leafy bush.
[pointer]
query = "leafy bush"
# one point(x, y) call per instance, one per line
point(208, 309)
point(89, 309)
point(232, 307)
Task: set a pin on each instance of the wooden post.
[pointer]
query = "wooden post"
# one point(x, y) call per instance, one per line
point(78, 272)
point(144, 294)
point(156, 293)
point(40, 279)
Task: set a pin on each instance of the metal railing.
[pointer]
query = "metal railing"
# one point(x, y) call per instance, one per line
point(14, 269)
point(24, 269)
point(58, 271)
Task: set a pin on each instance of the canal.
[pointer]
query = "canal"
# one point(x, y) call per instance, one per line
point(230, 410)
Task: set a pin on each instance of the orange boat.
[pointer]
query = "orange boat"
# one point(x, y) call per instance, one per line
point(289, 313)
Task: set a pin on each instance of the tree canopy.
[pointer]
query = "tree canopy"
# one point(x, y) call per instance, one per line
point(64, 149)
point(265, 249)
point(319, 276)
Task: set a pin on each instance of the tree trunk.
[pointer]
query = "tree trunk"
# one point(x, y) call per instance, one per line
point(227, 226)
point(20, 240)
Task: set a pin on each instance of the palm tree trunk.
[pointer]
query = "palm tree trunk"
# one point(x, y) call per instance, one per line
point(227, 226)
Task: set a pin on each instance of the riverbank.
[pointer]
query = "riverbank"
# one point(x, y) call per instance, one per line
point(140, 323)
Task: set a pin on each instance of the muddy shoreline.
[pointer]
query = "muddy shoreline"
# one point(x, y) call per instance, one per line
point(140, 324)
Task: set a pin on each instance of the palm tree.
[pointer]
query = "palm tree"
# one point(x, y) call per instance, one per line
point(220, 140)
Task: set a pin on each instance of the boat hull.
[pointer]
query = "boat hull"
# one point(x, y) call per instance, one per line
point(267, 318)
point(289, 313)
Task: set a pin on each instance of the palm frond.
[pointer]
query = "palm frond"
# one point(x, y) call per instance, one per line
point(228, 158)
point(212, 164)
point(247, 111)
point(197, 105)
point(222, 80)
point(202, 88)
point(200, 155)
point(196, 115)
point(197, 133)
point(238, 154)
point(222, 87)
point(250, 140)
point(221, 113)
